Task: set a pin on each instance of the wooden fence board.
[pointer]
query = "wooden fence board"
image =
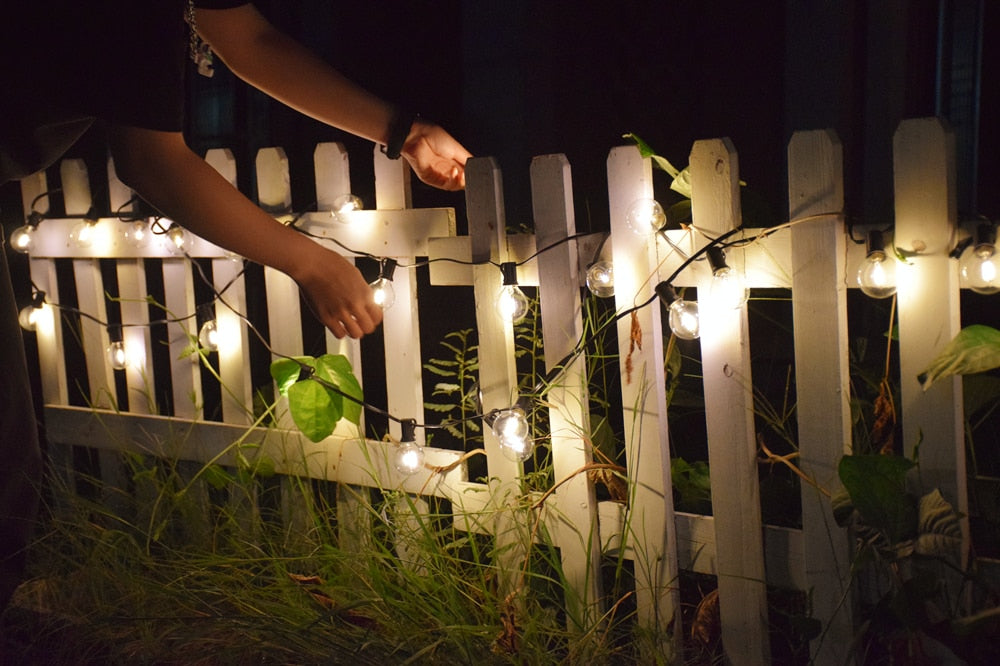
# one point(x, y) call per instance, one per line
point(729, 409)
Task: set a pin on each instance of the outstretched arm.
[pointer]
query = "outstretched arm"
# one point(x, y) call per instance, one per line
point(275, 63)
point(181, 185)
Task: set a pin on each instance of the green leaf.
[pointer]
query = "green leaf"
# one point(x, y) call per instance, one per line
point(842, 506)
point(286, 371)
point(336, 369)
point(659, 161)
point(682, 182)
point(877, 486)
point(217, 476)
point(679, 214)
point(315, 410)
point(940, 532)
point(976, 348)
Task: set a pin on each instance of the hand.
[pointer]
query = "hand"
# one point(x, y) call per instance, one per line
point(337, 293)
point(436, 157)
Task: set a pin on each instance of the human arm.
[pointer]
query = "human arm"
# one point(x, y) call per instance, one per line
point(273, 62)
point(163, 170)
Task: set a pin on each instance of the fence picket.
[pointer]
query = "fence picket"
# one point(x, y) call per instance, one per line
point(928, 302)
point(822, 379)
point(573, 520)
point(497, 373)
point(729, 409)
point(647, 524)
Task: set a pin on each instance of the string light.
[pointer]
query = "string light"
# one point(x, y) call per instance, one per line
point(601, 279)
point(645, 216)
point(513, 433)
point(137, 233)
point(409, 456)
point(876, 275)
point(22, 239)
point(117, 354)
point(177, 239)
point(82, 234)
point(382, 290)
point(30, 315)
point(728, 287)
point(682, 315)
point(978, 265)
point(208, 334)
point(511, 303)
point(345, 203)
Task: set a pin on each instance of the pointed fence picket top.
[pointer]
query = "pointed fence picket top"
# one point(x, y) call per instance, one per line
point(729, 410)
point(928, 304)
point(647, 527)
point(823, 408)
point(573, 518)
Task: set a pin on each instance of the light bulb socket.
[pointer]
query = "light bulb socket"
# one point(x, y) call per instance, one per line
point(986, 234)
point(34, 219)
point(387, 267)
point(666, 292)
point(115, 333)
point(716, 258)
point(509, 271)
point(875, 243)
point(408, 430)
point(38, 300)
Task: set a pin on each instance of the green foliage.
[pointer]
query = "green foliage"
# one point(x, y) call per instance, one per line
point(320, 391)
point(975, 349)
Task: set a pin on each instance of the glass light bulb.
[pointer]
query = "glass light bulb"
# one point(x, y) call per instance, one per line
point(978, 269)
point(728, 288)
point(117, 356)
point(208, 336)
point(82, 235)
point(176, 239)
point(512, 304)
point(645, 216)
point(22, 239)
point(137, 233)
point(877, 275)
point(383, 293)
point(28, 317)
point(683, 319)
point(345, 203)
point(408, 458)
point(601, 279)
point(513, 434)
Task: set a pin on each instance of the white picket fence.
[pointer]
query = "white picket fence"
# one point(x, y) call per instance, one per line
point(814, 259)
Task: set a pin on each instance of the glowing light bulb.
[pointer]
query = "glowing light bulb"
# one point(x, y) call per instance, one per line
point(645, 216)
point(978, 266)
point(177, 239)
point(728, 287)
point(513, 434)
point(511, 303)
point(601, 279)
point(682, 315)
point(876, 275)
point(82, 235)
point(22, 239)
point(137, 234)
point(117, 356)
point(383, 293)
point(408, 458)
point(28, 317)
point(31, 315)
point(382, 290)
point(208, 336)
point(345, 203)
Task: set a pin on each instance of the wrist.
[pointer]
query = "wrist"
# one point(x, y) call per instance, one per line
point(400, 126)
